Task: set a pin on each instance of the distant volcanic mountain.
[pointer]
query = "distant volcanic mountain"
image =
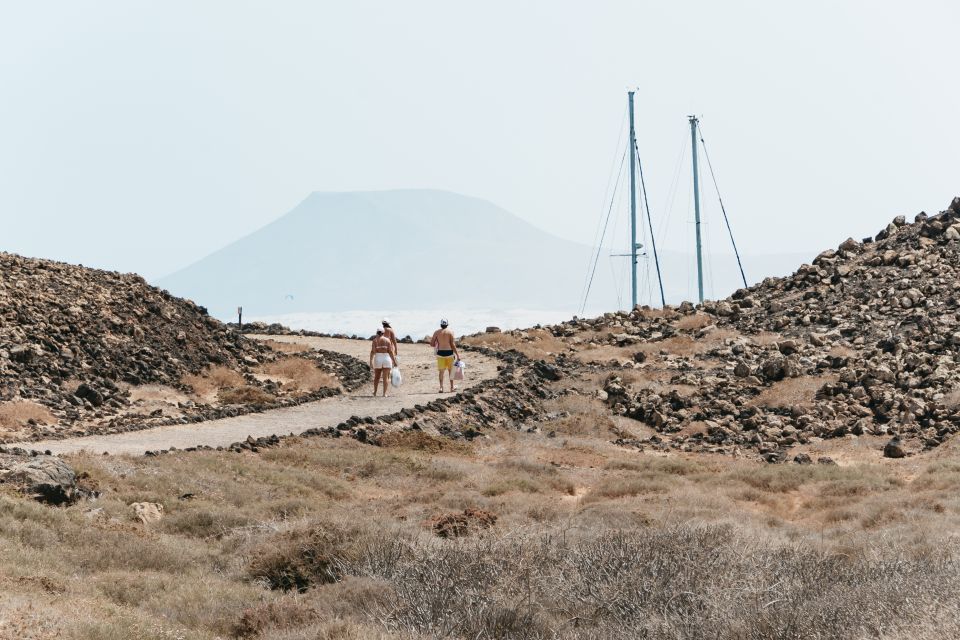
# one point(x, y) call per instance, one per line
point(390, 249)
point(411, 249)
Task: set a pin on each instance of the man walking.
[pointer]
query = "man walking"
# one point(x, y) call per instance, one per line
point(445, 345)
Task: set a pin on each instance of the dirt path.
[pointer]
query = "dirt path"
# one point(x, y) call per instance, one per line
point(419, 387)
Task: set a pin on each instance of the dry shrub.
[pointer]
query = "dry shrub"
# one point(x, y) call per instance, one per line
point(284, 613)
point(604, 353)
point(693, 321)
point(675, 346)
point(207, 383)
point(287, 347)
point(587, 416)
point(766, 338)
point(939, 476)
point(776, 478)
point(860, 481)
point(300, 374)
point(456, 525)
point(522, 483)
point(300, 559)
point(203, 521)
point(627, 487)
point(538, 343)
point(133, 589)
point(415, 440)
point(684, 581)
point(368, 596)
point(18, 413)
point(245, 394)
point(656, 465)
point(800, 391)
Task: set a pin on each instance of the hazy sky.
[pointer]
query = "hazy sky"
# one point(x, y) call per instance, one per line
point(142, 135)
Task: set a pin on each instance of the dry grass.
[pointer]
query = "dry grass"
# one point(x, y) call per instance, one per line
point(790, 392)
point(766, 338)
point(693, 321)
point(299, 374)
point(287, 347)
point(246, 394)
point(324, 538)
point(535, 343)
point(17, 414)
point(604, 353)
point(210, 382)
point(420, 441)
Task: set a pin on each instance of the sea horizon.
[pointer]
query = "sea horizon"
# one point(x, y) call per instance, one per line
point(420, 323)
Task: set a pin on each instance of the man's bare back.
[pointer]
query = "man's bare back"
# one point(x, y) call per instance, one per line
point(443, 340)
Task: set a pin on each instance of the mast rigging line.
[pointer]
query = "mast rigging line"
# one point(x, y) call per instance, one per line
point(584, 290)
point(723, 209)
point(653, 240)
point(603, 234)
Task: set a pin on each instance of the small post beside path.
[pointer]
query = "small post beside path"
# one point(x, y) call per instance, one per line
point(240, 319)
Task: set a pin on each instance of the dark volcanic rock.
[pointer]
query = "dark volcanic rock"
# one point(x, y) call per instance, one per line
point(47, 479)
point(894, 449)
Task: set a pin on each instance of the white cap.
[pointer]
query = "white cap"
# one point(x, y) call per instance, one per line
point(443, 322)
point(385, 321)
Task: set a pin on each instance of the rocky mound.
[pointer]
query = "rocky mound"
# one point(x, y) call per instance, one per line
point(75, 341)
point(863, 341)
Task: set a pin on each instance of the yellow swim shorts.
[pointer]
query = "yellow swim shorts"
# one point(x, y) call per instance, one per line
point(445, 362)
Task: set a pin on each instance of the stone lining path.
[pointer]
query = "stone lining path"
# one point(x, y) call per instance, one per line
point(419, 387)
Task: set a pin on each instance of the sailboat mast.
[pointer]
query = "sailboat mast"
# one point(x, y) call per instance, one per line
point(633, 205)
point(696, 204)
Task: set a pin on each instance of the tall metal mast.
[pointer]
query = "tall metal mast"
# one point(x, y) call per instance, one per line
point(696, 203)
point(633, 205)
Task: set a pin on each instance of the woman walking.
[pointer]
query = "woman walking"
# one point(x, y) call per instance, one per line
point(383, 357)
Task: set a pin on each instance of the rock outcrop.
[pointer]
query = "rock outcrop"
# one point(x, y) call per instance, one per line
point(45, 478)
point(76, 341)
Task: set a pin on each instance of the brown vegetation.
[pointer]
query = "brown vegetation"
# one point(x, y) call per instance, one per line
point(16, 414)
point(298, 374)
point(211, 381)
point(792, 392)
point(326, 538)
point(533, 343)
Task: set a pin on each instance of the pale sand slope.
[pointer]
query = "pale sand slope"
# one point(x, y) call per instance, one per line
point(419, 387)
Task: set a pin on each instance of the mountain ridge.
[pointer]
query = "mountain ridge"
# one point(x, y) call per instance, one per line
point(418, 248)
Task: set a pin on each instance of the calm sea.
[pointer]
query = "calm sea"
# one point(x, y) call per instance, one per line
point(420, 323)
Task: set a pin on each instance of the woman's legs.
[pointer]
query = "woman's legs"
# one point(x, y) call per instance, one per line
point(385, 376)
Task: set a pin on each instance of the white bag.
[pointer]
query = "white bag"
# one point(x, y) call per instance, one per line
point(395, 378)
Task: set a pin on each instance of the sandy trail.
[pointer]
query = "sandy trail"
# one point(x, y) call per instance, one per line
point(419, 387)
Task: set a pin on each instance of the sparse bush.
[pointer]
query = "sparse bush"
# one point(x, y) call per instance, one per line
point(300, 559)
point(201, 521)
point(287, 613)
point(300, 374)
point(245, 394)
point(17, 414)
point(207, 383)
